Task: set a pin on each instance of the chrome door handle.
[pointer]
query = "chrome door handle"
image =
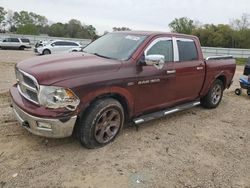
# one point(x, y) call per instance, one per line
point(171, 72)
point(199, 68)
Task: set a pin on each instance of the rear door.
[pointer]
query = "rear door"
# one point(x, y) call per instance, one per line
point(189, 70)
point(57, 47)
point(14, 43)
point(71, 45)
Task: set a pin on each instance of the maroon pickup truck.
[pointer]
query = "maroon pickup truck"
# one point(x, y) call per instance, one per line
point(122, 76)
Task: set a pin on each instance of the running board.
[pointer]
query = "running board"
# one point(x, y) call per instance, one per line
point(159, 114)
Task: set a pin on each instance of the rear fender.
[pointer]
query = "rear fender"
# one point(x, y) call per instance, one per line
point(208, 85)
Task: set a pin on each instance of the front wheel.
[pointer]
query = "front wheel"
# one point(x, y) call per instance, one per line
point(101, 123)
point(214, 95)
point(46, 52)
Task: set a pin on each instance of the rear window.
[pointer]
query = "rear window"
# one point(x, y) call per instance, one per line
point(25, 40)
point(187, 50)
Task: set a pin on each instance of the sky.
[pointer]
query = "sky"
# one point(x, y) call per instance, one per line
point(153, 15)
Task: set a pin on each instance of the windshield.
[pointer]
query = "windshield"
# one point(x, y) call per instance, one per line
point(115, 45)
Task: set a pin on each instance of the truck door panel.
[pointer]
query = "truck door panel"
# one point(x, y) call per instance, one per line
point(156, 86)
point(190, 71)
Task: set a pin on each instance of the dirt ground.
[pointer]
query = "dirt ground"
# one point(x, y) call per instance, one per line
point(194, 148)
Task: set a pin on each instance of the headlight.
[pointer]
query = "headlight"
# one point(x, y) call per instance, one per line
point(57, 97)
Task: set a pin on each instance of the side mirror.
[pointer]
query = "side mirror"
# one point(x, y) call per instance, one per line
point(155, 60)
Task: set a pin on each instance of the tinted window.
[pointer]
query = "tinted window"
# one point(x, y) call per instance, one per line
point(25, 40)
point(164, 47)
point(71, 44)
point(14, 40)
point(187, 50)
point(59, 43)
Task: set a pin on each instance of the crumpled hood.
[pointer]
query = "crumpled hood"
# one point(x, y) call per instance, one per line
point(50, 69)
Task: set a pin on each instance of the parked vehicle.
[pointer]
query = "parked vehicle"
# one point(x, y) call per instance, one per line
point(42, 43)
point(122, 76)
point(15, 43)
point(56, 46)
point(244, 82)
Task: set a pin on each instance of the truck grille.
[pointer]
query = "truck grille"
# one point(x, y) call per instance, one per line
point(27, 86)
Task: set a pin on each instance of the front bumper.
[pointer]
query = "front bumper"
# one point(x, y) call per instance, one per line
point(51, 128)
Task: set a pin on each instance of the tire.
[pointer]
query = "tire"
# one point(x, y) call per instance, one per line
point(95, 128)
point(46, 52)
point(248, 92)
point(21, 48)
point(237, 91)
point(214, 95)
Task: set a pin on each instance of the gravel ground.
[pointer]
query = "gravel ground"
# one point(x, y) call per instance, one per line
point(193, 148)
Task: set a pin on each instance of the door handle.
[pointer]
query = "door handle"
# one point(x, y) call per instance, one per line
point(171, 71)
point(199, 68)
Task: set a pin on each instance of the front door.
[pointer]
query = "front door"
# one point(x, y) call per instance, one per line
point(155, 86)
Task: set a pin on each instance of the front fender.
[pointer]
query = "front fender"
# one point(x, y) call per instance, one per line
point(87, 99)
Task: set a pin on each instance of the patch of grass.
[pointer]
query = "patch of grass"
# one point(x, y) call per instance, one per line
point(241, 61)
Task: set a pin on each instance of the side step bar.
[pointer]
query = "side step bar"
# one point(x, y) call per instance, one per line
point(159, 114)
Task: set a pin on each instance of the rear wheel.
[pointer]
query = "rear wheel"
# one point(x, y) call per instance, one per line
point(21, 48)
point(46, 52)
point(214, 95)
point(101, 123)
point(248, 92)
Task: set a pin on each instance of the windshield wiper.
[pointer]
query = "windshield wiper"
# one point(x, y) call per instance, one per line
point(99, 55)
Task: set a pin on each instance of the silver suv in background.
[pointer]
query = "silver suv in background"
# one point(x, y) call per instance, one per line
point(15, 43)
point(57, 46)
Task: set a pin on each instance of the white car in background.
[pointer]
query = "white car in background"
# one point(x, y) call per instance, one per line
point(15, 43)
point(57, 46)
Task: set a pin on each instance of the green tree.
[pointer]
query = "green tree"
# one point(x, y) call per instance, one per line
point(182, 25)
point(215, 35)
point(27, 29)
point(22, 18)
point(74, 28)
point(91, 31)
point(38, 19)
point(2, 17)
point(57, 30)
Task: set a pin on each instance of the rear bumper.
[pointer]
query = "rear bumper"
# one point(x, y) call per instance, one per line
point(51, 128)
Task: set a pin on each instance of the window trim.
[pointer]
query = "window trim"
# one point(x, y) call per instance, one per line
point(158, 40)
point(185, 40)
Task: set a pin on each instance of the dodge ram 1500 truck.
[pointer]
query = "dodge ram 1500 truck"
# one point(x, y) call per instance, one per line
point(123, 76)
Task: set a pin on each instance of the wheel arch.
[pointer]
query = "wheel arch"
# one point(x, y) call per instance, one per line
point(47, 50)
point(223, 79)
point(121, 95)
point(22, 47)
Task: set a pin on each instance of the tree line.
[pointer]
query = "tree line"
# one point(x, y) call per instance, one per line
point(25, 22)
point(233, 35)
